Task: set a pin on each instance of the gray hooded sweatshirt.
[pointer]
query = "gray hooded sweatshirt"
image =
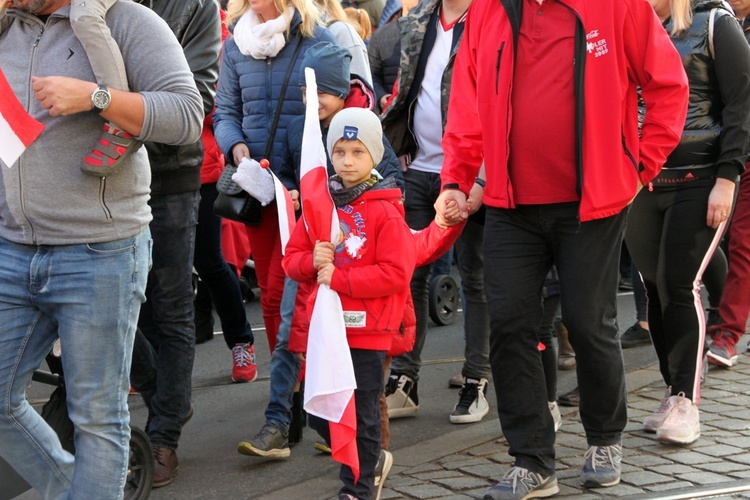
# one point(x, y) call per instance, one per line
point(45, 199)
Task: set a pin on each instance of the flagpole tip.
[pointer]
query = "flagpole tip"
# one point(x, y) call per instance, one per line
point(264, 163)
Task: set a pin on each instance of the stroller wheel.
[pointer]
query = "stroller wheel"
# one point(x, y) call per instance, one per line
point(140, 476)
point(443, 300)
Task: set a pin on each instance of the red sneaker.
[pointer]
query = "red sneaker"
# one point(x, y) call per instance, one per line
point(107, 156)
point(722, 351)
point(244, 368)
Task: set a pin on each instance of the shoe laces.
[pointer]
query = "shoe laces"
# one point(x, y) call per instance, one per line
point(722, 339)
point(602, 457)
point(468, 394)
point(518, 475)
point(680, 405)
point(242, 355)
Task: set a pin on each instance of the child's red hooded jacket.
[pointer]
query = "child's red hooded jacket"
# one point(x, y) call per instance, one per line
point(374, 262)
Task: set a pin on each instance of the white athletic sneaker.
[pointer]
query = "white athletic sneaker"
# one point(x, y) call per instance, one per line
point(653, 421)
point(555, 412)
point(681, 425)
point(401, 396)
point(472, 404)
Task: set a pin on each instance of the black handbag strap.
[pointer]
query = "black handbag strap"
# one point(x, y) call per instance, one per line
point(269, 145)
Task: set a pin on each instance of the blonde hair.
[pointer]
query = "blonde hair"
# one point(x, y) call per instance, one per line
point(333, 9)
point(360, 19)
point(309, 12)
point(681, 13)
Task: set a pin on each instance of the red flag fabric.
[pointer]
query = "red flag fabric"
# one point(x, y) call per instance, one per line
point(330, 381)
point(285, 207)
point(18, 129)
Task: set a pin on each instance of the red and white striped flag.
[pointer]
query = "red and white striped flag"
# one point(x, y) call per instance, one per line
point(329, 380)
point(17, 128)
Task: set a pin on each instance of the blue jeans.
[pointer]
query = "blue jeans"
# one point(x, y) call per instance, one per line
point(285, 365)
point(165, 343)
point(89, 295)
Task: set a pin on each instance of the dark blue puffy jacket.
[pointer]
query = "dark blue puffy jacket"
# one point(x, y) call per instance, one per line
point(248, 94)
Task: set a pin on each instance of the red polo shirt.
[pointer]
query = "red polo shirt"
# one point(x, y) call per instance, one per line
point(542, 138)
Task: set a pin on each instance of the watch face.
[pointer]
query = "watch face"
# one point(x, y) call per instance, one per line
point(100, 99)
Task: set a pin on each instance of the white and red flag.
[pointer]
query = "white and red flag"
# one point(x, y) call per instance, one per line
point(17, 128)
point(329, 379)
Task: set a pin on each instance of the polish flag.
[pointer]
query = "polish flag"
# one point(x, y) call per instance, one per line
point(284, 206)
point(17, 128)
point(329, 380)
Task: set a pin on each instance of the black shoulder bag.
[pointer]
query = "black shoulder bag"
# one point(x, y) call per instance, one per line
point(233, 202)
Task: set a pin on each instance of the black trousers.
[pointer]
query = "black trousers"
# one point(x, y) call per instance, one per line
point(521, 245)
point(672, 245)
point(368, 371)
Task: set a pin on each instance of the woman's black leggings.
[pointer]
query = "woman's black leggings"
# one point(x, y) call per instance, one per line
point(671, 244)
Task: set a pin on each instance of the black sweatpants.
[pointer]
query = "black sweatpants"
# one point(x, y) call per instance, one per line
point(368, 371)
point(671, 244)
point(520, 247)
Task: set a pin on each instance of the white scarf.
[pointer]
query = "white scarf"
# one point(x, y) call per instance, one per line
point(261, 40)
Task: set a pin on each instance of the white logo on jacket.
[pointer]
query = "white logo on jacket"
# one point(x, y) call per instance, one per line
point(596, 45)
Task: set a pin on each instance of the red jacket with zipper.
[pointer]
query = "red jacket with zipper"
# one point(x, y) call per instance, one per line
point(622, 45)
point(374, 262)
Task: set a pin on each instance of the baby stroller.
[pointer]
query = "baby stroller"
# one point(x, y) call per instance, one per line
point(141, 466)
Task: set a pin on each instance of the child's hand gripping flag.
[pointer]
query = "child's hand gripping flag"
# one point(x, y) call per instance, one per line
point(17, 128)
point(329, 382)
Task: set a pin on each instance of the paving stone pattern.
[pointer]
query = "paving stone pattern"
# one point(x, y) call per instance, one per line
point(720, 457)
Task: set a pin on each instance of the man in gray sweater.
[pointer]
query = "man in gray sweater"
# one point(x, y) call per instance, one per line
point(75, 249)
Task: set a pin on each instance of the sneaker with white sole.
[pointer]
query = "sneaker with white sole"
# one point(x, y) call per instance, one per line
point(653, 421)
point(401, 396)
point(681, 424)
point(554, 410)
point(472, 404)
point(244, 368)
point(383, 467)
point(602, 466)
point(519, 483)
point(722, 351)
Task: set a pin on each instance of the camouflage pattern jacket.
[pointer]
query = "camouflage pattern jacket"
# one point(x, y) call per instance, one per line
point(418, 32)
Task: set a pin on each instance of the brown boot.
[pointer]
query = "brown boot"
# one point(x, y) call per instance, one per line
point(566, 356)
point(165, 466)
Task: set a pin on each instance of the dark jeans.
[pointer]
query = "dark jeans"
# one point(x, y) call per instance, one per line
point(672, 245)
point(521, 245)
point(422, 189)
point(368, 370)
point(470, 257)
point(223, 285)
point(165, 341)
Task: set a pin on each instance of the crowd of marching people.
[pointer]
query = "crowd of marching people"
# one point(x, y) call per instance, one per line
point(345, 146)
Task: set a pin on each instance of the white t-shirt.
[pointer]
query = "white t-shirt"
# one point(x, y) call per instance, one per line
point(428, 117)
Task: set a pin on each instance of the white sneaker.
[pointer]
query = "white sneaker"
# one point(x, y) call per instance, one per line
point(681, 425)
point(555, 412)
point(472, 404)
point(653, 421)
point(401, 396)
point(383, 467)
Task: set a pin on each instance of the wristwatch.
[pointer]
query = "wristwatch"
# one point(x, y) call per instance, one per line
point(100, 99)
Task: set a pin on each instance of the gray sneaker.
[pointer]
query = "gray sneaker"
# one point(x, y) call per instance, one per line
point(519, 483)
point(602, 466)
point(270, 442)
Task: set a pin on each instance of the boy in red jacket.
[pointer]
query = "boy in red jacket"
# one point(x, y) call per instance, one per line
point(370, 266)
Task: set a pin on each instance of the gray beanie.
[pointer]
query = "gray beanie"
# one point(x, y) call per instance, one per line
point(331, 64)
point(357, 123)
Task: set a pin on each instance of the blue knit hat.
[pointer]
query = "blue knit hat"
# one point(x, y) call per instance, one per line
point(391, 7)
point(331, 64)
